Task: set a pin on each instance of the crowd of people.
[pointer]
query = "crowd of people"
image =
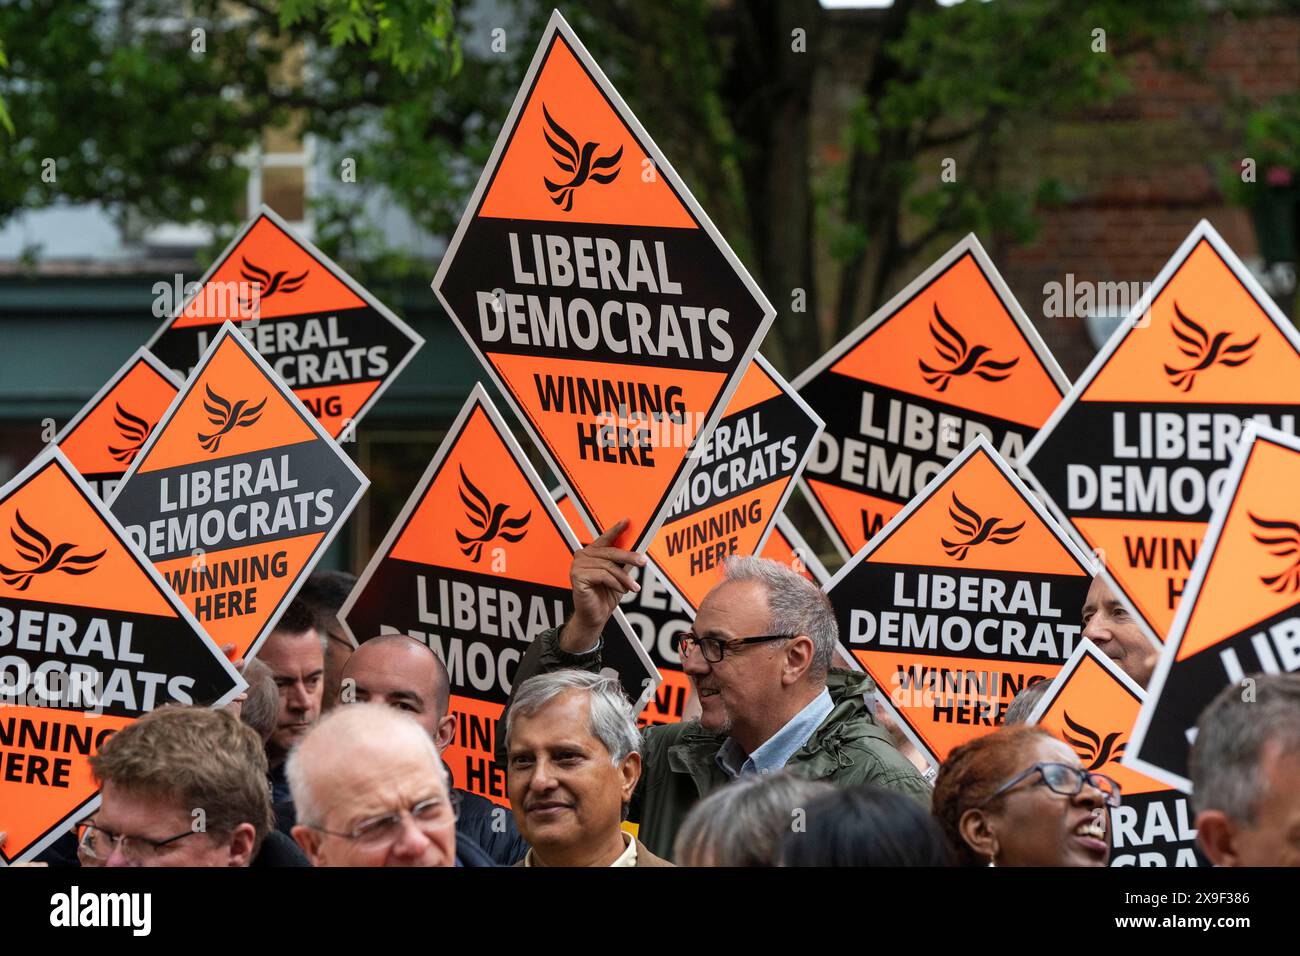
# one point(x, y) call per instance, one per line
point(332, 757)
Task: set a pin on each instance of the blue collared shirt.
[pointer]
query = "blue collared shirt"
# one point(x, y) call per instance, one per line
point(775, 752)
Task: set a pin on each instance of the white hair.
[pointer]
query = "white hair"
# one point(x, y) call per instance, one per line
point(345, 735)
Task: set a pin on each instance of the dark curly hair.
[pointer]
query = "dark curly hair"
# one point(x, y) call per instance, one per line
point(972, 773)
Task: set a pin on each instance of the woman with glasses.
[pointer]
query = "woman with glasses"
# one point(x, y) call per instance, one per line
point(1020, 797)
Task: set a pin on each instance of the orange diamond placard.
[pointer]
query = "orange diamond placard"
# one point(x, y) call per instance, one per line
point(93, 638)
point(748, 465)
point(950, 357)
point(1240, 616)
point(1136, 456)
point(237, 493)
point(477, 567)
point(967, 595)
point(104, 437)
point(598, 295)
point(333, 343)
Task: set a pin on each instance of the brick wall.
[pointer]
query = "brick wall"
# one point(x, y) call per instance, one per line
point(1142, 171)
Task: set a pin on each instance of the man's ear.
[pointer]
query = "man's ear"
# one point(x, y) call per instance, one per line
point(977, 830)
point(631, 770)
point(445, 732)
point(309, 840)
point(798, 659)
point(241, 844)
point(1217, 834)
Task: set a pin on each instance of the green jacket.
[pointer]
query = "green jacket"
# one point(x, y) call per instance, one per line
point(679, 765)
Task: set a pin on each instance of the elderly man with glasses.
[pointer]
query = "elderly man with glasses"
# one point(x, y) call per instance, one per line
point(371, 790)
point(760, 658)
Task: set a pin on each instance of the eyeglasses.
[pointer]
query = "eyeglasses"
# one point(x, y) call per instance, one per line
point(98, 843)
point(714, 648)
point(384, 829)
point(1063, 779)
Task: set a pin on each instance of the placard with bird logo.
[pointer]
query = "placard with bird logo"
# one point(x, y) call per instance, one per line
point(606, 307)
point(1240, 616)
point(92, 639)
point(950, 357)
point(335, 344)
point(966, 596)
point(237, 493)
point(476, 566)
point(1136, 456)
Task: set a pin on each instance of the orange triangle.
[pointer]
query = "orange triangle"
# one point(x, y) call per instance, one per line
point(1202, 303)
point(1092, 699)
point(335, 406)
point(856, 517)
point(977, 502)
point(50, 506)
point(225, 612)
point(957, 323)
point(289, 280)
point(1253, 573)
point(690, 549)
point(967, 701)
point(25, 819)
point(796, 554)
point(585, 137)
point(756, 385)
point(233, 377)
point(623, 487)
point(478, 479)
point(111, 430)
point(1129, 545)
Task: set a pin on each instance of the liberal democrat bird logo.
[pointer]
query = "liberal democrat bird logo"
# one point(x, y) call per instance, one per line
point(951, 346)
point(43, 556)
point(576, 161)
point(226, 417)
point(1283, 541)
point(1207, 351)
point(976, 529)
point(1093, 751)
point(276, 284)
point(488, 518)
point(134, 429)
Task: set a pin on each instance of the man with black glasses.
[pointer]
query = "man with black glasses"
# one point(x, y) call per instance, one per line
point(760, 658)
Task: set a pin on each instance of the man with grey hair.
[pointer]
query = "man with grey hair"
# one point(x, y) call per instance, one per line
point(1245, 769)
point(760, 658)
point(573, 759)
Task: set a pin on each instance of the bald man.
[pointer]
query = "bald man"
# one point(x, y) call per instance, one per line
point(370, 790)
point(405, 674)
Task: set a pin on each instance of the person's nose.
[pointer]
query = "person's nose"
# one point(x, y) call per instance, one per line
point(543, 779)
point(412, 842)
point(694, 663)
point(1097, 631)
point(1090, 795)
point(116, 857)
point(299, 699)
